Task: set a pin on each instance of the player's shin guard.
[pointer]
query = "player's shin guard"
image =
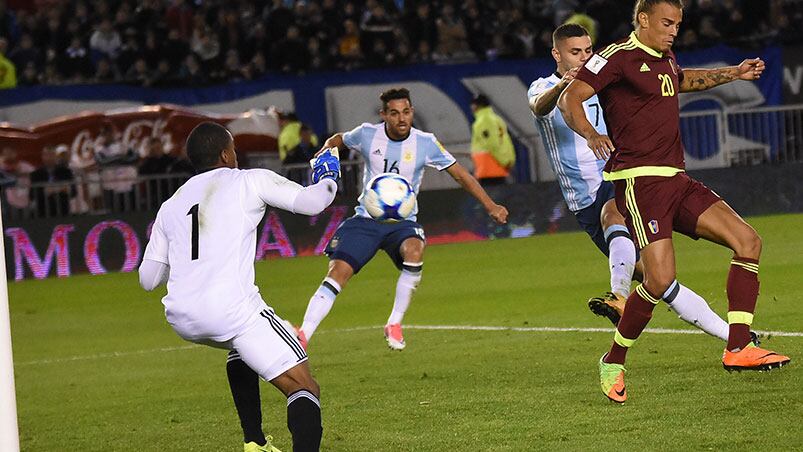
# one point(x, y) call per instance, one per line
point(304, 421)
point(742, 295)
point(621, 257)
point(408, 281)
point(693, 309)
point(319, 306)
point(638, 311)
point(244, 384)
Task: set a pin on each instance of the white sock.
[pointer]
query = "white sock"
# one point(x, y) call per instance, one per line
point(621, 258)
point(695, 310)
point(408, 282)
point(319, 306)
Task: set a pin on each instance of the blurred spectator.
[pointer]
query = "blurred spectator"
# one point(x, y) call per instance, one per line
point(17, 196)
point(117, 169)
point(129, 51)
point(349, 45)
point(8, 22)
point(376, 26)
point(205, 44)
point(76, 64)
point(139, 73)
point(105, 40)
point(290, 134)
point(181, 163)
point(163, 76)
point(29, 76)
point(156, 162)
point(452, 36)
point(25, 52)
point(105, 72)
point(301, 153)
point(290, 54)
point(8, 72)
point(491, 147)
point(52, 200)
point(191, 74)
point(421, 26)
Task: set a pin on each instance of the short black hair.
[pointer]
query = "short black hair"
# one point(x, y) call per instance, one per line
point(481, 100)
point(646, 6)
point(205, 143)
point(394, 94)
point(567, 31)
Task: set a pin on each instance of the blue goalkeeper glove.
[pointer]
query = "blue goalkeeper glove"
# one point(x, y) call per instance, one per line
point(327, 164)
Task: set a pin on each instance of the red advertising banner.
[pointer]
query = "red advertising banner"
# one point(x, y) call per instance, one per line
point(253, 131)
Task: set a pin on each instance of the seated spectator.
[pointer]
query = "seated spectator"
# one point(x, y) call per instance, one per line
point(75, 64)
point(190, 74)
point(452, 36)
point(105, 72)
point(29, 76)
point(52, 200)
point(156, 162)
point(139, 73)
point(17, 196)
point(349, 45)
point(25, 52)
point(290, 134)
point(118, 172)
point(105, 40)
point(302, 153)
point(291, 54)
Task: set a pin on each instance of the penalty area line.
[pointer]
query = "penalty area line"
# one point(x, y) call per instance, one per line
point(517, 329)
point(548, 329)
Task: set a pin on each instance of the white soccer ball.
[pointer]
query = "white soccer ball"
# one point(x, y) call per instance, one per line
point(389, 197)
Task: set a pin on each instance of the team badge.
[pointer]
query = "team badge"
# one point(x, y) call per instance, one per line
point(333, 243)
point(653, 225)
point(408, 156)
point(377, 152)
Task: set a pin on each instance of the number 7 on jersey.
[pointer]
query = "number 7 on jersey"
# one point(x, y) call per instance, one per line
point(194, 212)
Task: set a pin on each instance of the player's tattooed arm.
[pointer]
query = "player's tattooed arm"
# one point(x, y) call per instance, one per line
point(702, 79)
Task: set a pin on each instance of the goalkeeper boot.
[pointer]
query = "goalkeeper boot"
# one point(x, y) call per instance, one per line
point(254, 447)
point(612, 380)
point(753, 358)
point(609, 305)
point(393, 334)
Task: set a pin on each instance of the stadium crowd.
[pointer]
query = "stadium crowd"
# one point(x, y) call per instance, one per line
point(195, 43)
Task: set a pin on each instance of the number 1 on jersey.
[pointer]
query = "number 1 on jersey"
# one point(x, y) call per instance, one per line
point(194, 212)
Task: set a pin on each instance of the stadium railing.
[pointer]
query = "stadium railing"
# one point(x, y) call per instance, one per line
point(746, 136)
point(90, 195)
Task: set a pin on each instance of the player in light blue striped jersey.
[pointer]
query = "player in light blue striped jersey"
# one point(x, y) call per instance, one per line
point(392, 146)
point(579, 173)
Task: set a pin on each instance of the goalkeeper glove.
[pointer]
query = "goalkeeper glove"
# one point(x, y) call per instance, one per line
point(325, 165)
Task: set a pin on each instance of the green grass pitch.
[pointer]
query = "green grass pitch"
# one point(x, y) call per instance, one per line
point(98, 368)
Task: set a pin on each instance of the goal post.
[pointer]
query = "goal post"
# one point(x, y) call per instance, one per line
point(9, 433)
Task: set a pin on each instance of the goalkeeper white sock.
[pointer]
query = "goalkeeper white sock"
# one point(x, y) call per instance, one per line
point(319, 306)
point(695, 310)
point(405, 287)
point(621, 258)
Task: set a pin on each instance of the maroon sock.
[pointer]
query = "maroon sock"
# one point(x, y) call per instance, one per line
point(638, 311)
point(742, 295)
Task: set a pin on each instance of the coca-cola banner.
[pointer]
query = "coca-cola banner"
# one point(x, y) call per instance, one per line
point(255, 130)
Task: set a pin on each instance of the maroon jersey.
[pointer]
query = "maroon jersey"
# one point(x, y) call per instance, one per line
point(638, 89)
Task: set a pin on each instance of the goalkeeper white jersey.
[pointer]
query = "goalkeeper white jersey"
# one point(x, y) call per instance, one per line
point(206, 233)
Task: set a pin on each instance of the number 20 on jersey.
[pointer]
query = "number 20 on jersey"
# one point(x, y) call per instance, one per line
point(667, 87)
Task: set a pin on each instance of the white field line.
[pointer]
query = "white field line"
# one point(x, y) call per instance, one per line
point(532, 329)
